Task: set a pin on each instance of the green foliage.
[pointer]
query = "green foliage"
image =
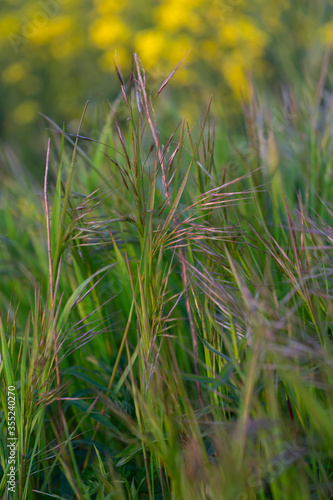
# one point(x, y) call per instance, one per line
point(169, 336)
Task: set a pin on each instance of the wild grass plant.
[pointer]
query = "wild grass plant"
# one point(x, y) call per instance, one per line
point(166, 313)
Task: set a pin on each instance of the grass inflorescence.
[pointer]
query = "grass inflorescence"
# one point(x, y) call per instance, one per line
point(166, 314)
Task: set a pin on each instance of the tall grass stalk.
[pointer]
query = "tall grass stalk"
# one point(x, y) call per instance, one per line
point(168, 325)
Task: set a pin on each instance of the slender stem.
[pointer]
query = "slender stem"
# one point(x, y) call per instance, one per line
point(48, 224)
point(48, 229)
point(184, 272)
point(52, 302)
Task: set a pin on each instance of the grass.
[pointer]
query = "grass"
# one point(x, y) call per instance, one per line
point(166, 307)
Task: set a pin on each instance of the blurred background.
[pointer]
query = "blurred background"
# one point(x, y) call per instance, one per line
point(57, 54)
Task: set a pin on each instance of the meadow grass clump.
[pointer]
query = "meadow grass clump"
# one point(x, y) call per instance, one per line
point(166, 315)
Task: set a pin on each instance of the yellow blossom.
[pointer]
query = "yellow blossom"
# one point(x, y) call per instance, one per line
point(54, 28)
point(8, 26)
point(326, 33)
point(175, 15)
point(244, 34)
point(25, 112)
point(150, 45)
point(14, 73)
point(107, 7)
point(236, 77)
point(107, 31)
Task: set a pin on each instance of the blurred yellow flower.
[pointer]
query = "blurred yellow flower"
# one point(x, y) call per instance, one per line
point(108, 30)
point(106, 7)
point(25, 112)
point(179, 48)
point(54, 28)
point(151, 45)
point(8, 25)
point(174, 15)
point(243, 34)
point(14, 73)
point(236, 77)
point(326, 33)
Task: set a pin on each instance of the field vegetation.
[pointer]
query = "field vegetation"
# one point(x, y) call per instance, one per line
point(56, 54)
point(166, 303)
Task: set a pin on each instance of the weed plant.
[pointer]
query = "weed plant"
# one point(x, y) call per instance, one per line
point(166, 314)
